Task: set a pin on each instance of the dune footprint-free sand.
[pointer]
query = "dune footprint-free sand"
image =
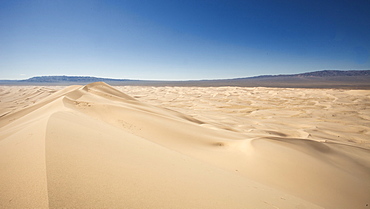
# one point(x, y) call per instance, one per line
point(94, 146)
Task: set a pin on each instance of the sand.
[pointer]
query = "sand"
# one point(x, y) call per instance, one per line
point(98, 146)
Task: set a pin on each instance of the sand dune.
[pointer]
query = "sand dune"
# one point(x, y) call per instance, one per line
point(94, 146)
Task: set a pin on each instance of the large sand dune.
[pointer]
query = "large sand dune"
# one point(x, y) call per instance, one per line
point(94, 146)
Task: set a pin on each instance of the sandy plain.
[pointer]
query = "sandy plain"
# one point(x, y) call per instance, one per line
point(98, 146)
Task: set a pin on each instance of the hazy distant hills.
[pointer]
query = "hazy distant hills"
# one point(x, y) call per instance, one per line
point(323, 73)
point(63, 79)
point(328, 73)
point(355, 79)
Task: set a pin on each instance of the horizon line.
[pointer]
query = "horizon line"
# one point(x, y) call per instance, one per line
point(201, 79)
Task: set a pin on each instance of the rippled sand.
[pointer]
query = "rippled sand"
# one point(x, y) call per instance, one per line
point(315, 114)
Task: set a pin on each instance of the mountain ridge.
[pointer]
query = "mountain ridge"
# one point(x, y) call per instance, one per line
point(357, 79)
point(321, 73)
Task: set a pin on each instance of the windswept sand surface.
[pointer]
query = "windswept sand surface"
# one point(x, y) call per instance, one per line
point(96, 146)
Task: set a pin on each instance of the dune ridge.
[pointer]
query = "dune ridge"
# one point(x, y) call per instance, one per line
point(94, 146)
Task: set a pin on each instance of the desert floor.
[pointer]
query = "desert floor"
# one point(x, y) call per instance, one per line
point(98, 146)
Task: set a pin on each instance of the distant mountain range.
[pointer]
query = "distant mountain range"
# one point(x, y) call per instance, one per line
point(322, 73)
point(63, 79)
point(355, 79)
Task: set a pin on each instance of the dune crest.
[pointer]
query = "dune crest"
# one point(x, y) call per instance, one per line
point(94, 146)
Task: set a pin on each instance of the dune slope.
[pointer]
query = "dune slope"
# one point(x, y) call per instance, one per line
point(95, 147)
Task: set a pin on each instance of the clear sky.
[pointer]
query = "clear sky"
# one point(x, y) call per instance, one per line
point(180, 40)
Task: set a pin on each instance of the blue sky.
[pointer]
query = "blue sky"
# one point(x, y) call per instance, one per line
point(181, 40)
